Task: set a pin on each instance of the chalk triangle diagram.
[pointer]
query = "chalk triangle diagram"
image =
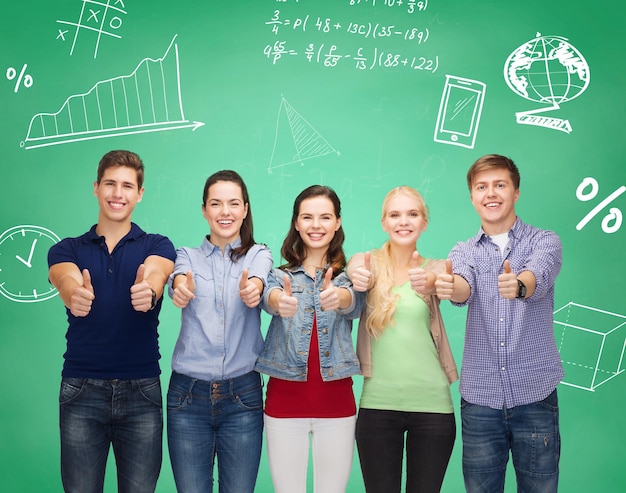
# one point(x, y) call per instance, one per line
point(296, 140)
point(146, 100)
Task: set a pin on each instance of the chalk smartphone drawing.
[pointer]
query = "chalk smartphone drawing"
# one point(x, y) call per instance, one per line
point(99, 17)
point(550, 71)
point(459, 111)
point(24, 263)
point(296, 140)
point(146, 100)
point(591, 343)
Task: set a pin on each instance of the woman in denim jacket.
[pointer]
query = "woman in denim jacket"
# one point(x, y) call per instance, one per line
point(308, 351)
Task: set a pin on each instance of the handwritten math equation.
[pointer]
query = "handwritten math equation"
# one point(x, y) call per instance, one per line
point(410, 5)
point(364, 29)
point(329, 56)
point(385, 41)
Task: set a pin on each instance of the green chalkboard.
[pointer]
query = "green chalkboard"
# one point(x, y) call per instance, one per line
point(361, 95)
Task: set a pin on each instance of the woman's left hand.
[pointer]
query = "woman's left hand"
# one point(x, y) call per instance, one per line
point(419, 277)
point(248, 291)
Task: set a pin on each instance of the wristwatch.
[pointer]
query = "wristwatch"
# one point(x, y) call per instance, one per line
point(521, 292)
point(154, 299)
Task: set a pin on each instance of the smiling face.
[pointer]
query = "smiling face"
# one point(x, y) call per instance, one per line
point(118, 193)
point(494, 195)
point(404, 219)
point(317, 224)
point(225, 211)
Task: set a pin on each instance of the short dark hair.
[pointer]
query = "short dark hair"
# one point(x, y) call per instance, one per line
point(113, 159)
point(293, 250)
point(493, 161)
point(246, 232)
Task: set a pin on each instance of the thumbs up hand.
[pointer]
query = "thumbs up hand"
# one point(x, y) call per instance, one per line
point(287, 304)
point(248, 291)
point(141, 292)
point(507, 282)
point(444, 284)
point(82, 297)
point(362, 276)
point(184, 292)
point(418, 276)
point(329, 297)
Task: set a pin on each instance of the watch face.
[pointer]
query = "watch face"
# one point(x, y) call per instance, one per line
point(24, 264)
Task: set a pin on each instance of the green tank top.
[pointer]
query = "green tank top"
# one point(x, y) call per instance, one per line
point(406, 372)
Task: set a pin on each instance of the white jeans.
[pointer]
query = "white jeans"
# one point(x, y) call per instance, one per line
point(288, 451)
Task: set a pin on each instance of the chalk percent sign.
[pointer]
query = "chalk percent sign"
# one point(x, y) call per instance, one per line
point(614, 215)
point(12, 74)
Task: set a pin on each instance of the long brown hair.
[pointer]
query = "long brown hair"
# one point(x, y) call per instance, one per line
point(293, 249)
point(246, 232)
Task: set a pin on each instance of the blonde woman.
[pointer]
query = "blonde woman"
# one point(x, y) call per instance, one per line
point(405, 357)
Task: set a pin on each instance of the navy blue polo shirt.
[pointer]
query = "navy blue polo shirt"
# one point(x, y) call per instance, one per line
point(113, 340)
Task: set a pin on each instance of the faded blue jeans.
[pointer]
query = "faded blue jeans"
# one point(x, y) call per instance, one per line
point(530, 432)
point(95, 414)
point(222, 419)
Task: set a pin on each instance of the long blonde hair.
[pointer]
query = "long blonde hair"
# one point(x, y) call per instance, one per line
point(381, 300)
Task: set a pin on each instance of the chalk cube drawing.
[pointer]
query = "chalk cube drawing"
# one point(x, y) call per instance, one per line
point(591, 343)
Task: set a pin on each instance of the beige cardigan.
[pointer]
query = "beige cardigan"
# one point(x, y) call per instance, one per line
point(437, 330)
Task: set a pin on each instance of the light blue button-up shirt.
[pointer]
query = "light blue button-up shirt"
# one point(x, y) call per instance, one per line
point(220, 337)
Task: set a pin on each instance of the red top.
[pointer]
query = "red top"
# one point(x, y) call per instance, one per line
point(313, 398)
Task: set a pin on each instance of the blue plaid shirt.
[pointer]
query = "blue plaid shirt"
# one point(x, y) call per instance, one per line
point(510, 356)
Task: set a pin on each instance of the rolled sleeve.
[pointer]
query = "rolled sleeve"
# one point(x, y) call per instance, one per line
point(545, 263)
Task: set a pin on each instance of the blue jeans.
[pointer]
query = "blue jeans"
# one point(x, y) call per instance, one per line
point(222, 419)
point(95, 414)
point(530, 432)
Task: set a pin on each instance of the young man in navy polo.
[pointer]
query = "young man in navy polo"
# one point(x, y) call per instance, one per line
point(111, 281)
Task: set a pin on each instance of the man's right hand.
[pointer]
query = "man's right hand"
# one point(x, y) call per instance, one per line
point(445, 282)
point(82, 297)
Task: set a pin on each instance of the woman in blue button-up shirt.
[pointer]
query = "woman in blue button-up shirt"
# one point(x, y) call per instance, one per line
point(215, 398)
point(308, 351)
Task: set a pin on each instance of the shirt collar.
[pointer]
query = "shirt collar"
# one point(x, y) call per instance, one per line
point(515, 231)
point(209, 248)
point(134, 233)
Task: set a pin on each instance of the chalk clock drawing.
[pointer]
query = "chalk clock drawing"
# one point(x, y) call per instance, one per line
point(24, 264)
point(147, 100)
point(550, 71)
point(296, 140)
point(591, 343)
point(101, 18)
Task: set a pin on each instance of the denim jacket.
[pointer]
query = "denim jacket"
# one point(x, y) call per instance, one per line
point(286, 351)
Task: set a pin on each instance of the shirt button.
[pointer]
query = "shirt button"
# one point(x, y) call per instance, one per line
point(326, 353)
point(501, 344)
point(501, 320)
point(330, 373)
point(503, 368)
point(325, 331)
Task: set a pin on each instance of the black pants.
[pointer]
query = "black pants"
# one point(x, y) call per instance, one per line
point(380, 437)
